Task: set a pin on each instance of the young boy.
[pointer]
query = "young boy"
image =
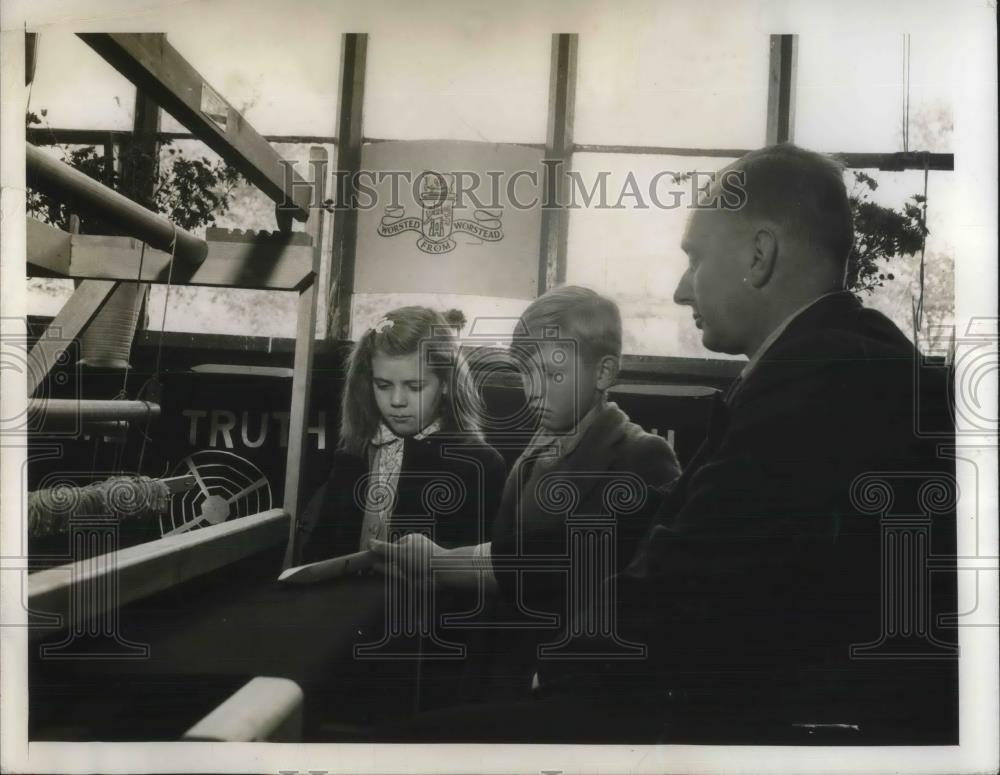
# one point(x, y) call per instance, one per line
point(569, 340)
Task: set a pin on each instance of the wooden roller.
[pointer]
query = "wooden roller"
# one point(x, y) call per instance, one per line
point(90, 197)
point(265, 709)
point(91, 410)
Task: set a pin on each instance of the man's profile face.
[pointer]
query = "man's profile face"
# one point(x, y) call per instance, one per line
point(716, 244)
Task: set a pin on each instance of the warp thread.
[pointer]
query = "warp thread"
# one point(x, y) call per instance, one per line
point(120, 497)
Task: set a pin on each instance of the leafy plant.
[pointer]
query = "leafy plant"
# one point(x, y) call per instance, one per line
point(881, 234)
point(190, 192)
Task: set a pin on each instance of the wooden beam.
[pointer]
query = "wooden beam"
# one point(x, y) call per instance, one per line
point(781, 89)
point(558, 155)
point(30, 56)
point(145, 569)
point(265, 260)
point(156, 67)
point(659, 150)
point(270, 264)
point(48, 250)
point(86, 301)
point(914, 160)
point(305, 341)
point(350, 123)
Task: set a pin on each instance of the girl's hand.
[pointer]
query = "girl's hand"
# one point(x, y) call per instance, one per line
point(409, 557)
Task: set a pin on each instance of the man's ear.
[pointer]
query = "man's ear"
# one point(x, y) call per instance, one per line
point(607, 371)
point(765, 257)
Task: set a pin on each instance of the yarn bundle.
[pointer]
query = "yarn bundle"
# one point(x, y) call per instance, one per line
point(120, 497)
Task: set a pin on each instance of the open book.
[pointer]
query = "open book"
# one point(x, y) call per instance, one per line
point(329, 569)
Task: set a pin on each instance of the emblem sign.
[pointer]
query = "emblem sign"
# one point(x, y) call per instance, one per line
point(437, 222)
point(451, 217)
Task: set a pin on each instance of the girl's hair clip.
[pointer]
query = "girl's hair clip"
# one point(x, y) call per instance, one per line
point(382, 325)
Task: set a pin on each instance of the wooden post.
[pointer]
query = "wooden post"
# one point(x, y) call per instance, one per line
point(108, 173)
point(305, 339)
point(140, 162)
point(558, 153)
point(350, 125)
point(30, 56)
point(141, 152)
point(781, 89)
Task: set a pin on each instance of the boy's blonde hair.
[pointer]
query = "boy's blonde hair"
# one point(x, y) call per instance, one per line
point(576, 313)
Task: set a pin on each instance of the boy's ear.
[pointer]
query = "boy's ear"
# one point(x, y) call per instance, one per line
point(607, 371)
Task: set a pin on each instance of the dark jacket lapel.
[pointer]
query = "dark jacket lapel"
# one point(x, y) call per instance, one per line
point(595, 451)
point(825, 313)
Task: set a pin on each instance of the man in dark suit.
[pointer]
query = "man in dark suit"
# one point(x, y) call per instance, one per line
point(768, 591)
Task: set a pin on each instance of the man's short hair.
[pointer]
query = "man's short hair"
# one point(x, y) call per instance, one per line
point(801, 190)
point(577, 313)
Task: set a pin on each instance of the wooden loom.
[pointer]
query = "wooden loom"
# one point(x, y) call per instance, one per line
point(156, 251)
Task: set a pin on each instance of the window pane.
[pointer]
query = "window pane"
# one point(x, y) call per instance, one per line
point(293, 91)
point(850, 88)
point(672, 74)
point(633, 253)
point(933, 79)
point(77, 88)
point(46, 295)
point(491, 84)
point(284, 82)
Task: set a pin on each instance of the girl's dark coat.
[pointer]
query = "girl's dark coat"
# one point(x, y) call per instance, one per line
point(453, 482)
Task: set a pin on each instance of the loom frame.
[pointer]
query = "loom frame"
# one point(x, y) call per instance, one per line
point(284, 261)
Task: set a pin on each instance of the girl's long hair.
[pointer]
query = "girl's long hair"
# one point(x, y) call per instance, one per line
point(405, 331)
